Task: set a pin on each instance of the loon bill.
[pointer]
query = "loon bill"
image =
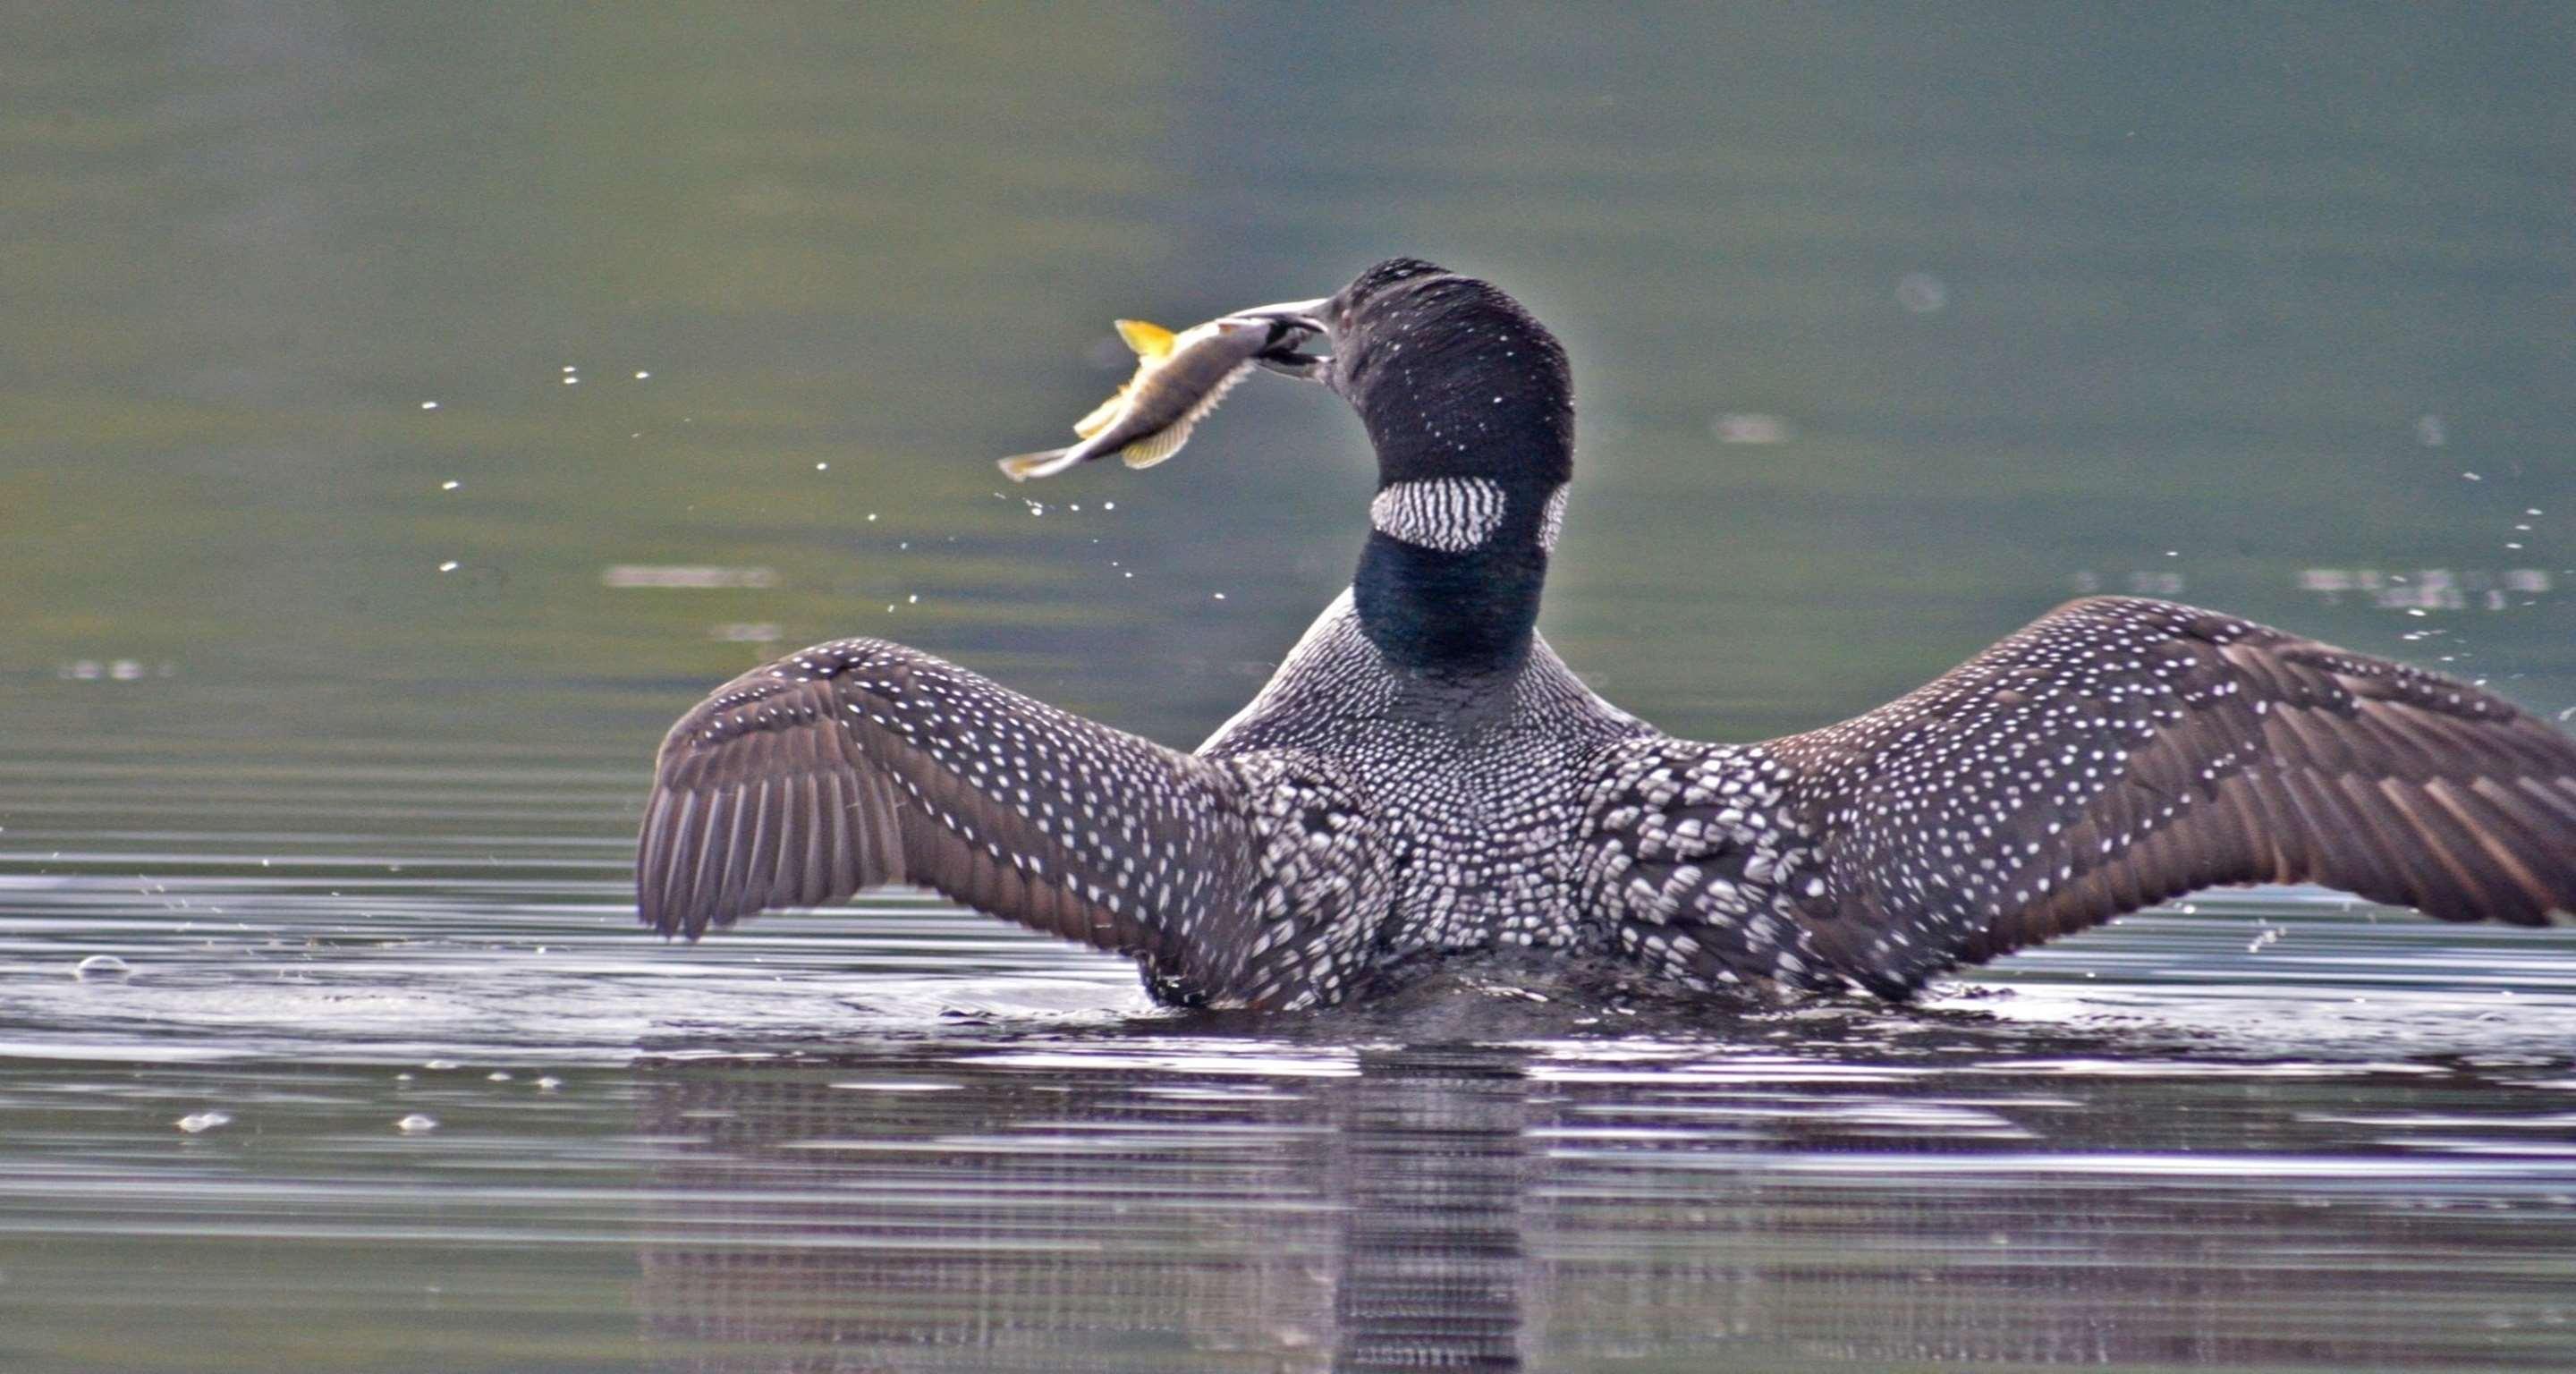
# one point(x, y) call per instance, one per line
point(1179, 379)
point(1423, 775)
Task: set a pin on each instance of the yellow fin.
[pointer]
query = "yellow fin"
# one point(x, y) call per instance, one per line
point(1154, 448)
point(1150, 340)
point(1100, 415)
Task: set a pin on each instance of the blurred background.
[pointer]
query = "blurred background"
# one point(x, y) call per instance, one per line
point(393, 371)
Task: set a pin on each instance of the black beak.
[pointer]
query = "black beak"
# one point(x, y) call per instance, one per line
point(1291, 323)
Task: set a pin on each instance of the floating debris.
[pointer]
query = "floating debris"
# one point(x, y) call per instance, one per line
point(416, 1124)
point(198, 1123)
point(102, 966)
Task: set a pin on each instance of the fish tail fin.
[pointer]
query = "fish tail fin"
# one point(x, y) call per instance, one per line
point(1020, 467)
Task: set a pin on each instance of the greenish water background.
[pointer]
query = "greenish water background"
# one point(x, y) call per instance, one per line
point(1892, 327)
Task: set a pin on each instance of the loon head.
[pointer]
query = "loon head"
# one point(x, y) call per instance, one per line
point(1470, 406)
point(1450, 375)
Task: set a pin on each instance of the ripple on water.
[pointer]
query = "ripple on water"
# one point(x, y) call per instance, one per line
point(863, 1134)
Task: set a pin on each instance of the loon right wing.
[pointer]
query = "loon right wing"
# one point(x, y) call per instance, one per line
point(2113, 754)
point(859, 763)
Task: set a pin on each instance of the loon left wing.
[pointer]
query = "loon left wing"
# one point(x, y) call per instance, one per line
point(2113, 754)
point(859, 763)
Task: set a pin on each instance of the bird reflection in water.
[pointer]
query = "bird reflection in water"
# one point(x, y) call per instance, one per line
point(1176, 1204)
point(1111, 1220)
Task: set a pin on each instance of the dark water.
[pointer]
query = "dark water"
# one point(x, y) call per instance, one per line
point(1892, 328)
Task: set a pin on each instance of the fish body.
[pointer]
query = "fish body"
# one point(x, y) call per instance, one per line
point(1179, 379)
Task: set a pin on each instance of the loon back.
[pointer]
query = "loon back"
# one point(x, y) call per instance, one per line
point(1423, 774)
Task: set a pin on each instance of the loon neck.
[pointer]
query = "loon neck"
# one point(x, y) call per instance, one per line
point(1451, 613)
point(1457, 552)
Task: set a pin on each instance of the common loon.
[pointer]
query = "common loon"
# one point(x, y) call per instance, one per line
point(1423, 775)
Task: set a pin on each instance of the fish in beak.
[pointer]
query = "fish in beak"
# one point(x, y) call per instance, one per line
point(1179, 379)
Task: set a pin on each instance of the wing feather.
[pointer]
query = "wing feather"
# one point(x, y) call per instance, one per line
point(2114, 754)
point(2293, 761)
point(860, 763)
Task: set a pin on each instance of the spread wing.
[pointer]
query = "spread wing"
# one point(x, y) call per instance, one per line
point(860, 763)
point(2113, 754)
